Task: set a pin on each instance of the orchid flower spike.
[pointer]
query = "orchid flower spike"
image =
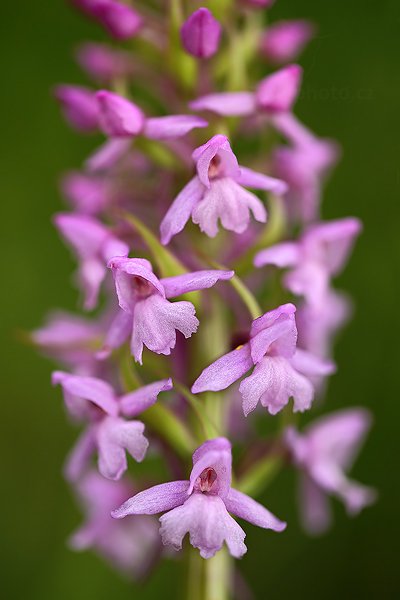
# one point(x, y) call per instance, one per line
point(319, 255)
point(281, 370)
point(94, 245)
point(131, 546)
point(93, 400)
point(146, 313)
point(216, 192)
point(201, 506)
point(121, 118)
point(323, 452)
point(275, 94)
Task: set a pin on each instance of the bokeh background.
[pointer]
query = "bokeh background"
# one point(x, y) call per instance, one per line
point(352, 93)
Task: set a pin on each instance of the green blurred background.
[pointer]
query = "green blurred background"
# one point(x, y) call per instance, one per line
point(352, 93)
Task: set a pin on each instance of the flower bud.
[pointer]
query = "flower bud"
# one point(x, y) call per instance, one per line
point(103, 63)
point(121, 21)
point(119, 117)
point(278, 92)
point(79, 106)
point(201, 33)
point(285, 40)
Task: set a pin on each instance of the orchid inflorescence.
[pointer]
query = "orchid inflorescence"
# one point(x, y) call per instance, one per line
point(135, 374)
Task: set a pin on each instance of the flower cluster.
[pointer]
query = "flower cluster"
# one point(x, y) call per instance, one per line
point(183, 116)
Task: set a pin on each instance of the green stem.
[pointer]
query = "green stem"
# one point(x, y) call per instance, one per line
point(210, 430)
point(218, 576)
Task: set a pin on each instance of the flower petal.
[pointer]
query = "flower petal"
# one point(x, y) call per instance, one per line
point(89, 388)
point(136, 402)
point(79, 458)
point(191, 282)
point(125, 272)
point(229, 104)
point(200, 34)
point(259, 181)
point(118, 333)
point(215, 454)
point(155, 322)
point(208, 523)
point(118, 116)
point(180, 210)
point(224, 371)
point(277, 92)
point(282, 255)
point(272, 383)
point(154, 500)
point(309, 364)
point(248, 509)
point(171, 126)
point(315, 510)
point(217, 146)
point(114, 437)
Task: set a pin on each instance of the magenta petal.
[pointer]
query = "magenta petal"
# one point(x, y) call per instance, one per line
point(172, 126)
point(118, 116)
point(274, 332)
point(89, 388)
point(208, 523)
point(285, 40)
point(315, 508)
point(259, 181)
point(200, 34)
point(126, 271)
point(78, 459)
point(229, 104)
point(272, 383)
point(114, 437)
point(224, 371)
point(136, 402)
point(248, 509)
point(286, 254)
point(278, 92)
point(154, 500)
point(180, 210)
point(190, 282)
point(106, 157)
point(155, 322)
point(79, 107)
point(121, 21)
point(119, 331)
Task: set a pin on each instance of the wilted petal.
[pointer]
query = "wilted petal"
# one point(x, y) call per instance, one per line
point(224, 371)
point(118, 116)
point(114, 437)
point(208, 523)
point(272, 383)
point(259, 181)
point(248, 509)
point(154, 500)
point(155, 322)
point(229, 104)
point(200, 34)
point(180, 210)
point(286, 254)
point(190, 282)
point(136, 402)
point(172, 126)
point(278, 92)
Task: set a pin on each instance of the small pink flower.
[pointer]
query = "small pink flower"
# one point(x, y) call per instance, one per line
point(323, 452)
point(285, 40)
point(79, 107)
point(201, 506)
point(216, 193)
